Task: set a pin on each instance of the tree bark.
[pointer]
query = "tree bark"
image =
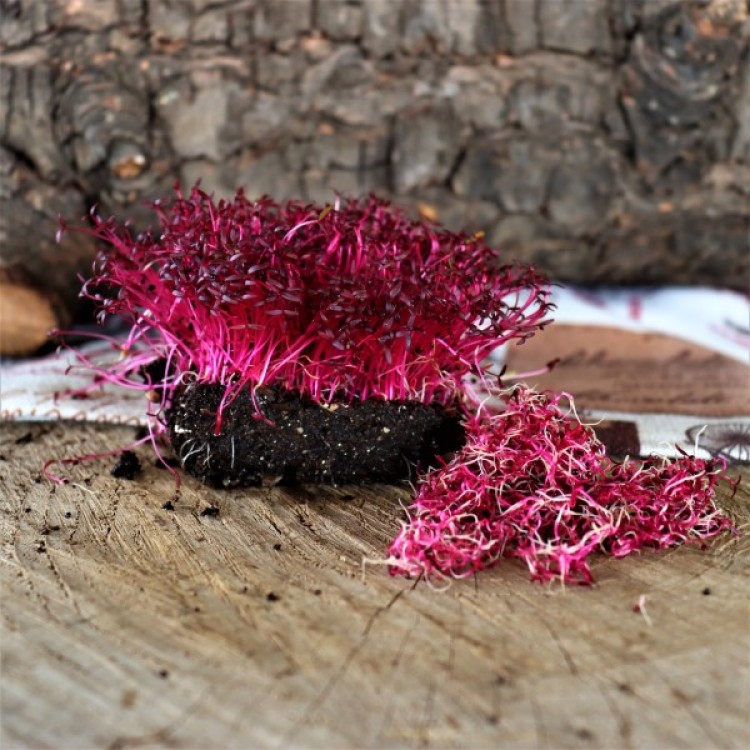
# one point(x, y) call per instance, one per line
point(39, 279)
point(605, 140)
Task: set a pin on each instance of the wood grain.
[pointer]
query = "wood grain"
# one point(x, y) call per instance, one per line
point(128, 625)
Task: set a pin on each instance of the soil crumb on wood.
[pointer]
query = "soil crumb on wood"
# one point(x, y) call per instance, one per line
point(302, 441)
point(127, 467)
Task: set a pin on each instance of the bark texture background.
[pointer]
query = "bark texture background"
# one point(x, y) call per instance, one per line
point(607, 140)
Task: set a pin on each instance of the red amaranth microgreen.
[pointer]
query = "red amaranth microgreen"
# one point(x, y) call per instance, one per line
point(535, 484)
point(355, 302)
point(352, 301)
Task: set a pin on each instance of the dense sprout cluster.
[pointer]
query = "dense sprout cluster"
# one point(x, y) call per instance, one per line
point(534, 484)
point(350, 301)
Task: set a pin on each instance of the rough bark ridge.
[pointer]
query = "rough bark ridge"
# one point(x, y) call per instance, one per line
point(607, 140)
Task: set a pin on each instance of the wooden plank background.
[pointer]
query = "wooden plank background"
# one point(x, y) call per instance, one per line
point(128, 625)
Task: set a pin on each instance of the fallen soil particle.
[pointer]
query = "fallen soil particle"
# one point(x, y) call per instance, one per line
point(127, 467)
point(211, 511)
point(302, 441)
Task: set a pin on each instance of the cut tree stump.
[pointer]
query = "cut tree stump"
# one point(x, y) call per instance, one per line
point(133, 617)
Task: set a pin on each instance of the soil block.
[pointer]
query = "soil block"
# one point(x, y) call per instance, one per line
point(302, 441)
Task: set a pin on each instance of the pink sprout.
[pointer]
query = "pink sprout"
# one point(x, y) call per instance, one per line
point(352, 301)
point(534, 484)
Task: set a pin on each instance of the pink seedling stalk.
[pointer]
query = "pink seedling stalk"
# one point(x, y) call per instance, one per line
point(347, 302)
point(535, 484)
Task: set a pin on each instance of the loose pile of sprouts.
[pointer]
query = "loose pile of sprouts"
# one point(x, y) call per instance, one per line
point(533, 483)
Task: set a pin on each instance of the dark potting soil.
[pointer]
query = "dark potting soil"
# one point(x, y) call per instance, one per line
point(360, 442)
point(127, 467)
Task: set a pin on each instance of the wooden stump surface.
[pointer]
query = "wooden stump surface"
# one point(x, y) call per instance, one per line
point(128, 625)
